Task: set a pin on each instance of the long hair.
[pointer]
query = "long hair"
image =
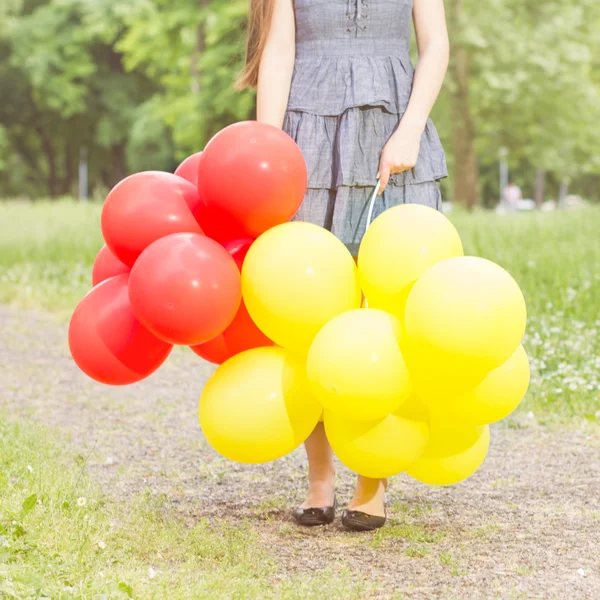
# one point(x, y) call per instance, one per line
point(259, 23)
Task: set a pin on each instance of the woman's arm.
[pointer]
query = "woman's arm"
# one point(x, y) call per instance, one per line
point(402, 151)
point(277, 66)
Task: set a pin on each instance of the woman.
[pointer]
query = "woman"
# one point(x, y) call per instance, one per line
point(337, 77)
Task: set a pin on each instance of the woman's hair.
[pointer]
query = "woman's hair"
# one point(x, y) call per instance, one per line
point(259, 22)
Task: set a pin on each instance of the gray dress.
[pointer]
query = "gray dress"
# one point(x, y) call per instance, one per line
point(351, 85)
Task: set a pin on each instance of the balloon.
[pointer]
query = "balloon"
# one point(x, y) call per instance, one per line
point(188, 169)
point(356, 367)
point(376, 449)
point(238, 250)
point(297, 277)
point(251, 177)
point(144, 208)
point(242, 334)
point(107, 265)
point(497, 395)
point(448, 436)
point(401, 244)
point(464, 317)
point(107, 342)
point(185, 288)
point(414, 409)
point(257, 407)
point(448, 470)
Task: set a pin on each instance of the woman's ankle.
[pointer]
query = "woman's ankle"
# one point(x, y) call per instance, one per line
point(324, 475)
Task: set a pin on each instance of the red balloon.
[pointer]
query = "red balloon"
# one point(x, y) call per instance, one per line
point(188, 169)
point(106, 340)
point(251, 177)
point(238, 250)
point(185, 288)
point(242, 334)
point(107, 265)
point(145, 207)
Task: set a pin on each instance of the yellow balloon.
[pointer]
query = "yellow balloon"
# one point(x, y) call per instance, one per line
point(356, 367)
point(464, 317)
point(401, 244)
point(498, 395)
point(258, 406)
point(297, 277)
point(448, 437)
point(377, 449)
point(414, 409)
point(448, 470)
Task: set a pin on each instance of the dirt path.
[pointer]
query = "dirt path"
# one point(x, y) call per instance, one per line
point(526, 526)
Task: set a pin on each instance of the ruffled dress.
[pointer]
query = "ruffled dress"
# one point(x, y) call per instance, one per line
point(351, 85)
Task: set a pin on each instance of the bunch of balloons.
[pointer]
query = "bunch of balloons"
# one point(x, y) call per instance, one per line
point(407, 356)
point(170, 270)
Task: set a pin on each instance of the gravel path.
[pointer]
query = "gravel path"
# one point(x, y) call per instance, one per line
point(526, 526)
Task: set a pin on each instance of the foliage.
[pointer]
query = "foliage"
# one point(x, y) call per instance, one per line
point(143, 83)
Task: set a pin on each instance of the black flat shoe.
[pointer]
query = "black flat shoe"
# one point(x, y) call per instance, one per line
point(354, 520)
point(311, 517)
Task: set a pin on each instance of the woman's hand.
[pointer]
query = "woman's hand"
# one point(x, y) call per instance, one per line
point(400, 153)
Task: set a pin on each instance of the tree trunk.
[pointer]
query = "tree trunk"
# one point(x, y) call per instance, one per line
point(195, 72)
point(466, 169)
point(563, 192)
point(50, 159)
point(540, 185)
point(119, 164)
point(68, 180)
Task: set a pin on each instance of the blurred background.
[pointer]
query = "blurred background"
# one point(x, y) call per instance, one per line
point(92, 90)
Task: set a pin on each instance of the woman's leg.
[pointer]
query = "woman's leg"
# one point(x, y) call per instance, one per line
point(321, 472)
point(369, 496)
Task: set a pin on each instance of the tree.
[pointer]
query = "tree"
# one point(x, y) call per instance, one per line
point(521, 78)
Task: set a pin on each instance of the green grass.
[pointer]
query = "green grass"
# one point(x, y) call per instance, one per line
point(47, 249)
point(60, 538)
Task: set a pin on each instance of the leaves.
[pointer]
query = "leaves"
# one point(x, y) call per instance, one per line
point(143, 83)
point(29, 504)
point(126, 589)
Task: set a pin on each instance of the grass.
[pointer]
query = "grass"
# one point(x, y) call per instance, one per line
point(47, 250)
point(61, 538)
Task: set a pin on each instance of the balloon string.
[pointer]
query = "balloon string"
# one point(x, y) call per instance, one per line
point(372, 205)
point(372, 201)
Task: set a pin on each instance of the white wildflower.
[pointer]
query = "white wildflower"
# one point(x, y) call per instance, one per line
point(30, 468)
point(81, 501)
point(152, 573)
point(101, 545)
